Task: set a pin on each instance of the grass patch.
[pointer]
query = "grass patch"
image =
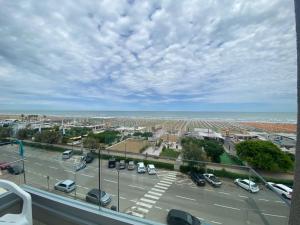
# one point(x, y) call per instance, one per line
point(171, 153)
point(230, 160)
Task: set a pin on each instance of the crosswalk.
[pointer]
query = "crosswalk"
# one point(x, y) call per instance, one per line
point(145, 203)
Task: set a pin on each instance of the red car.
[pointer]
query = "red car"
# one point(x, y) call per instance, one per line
point(4, 165)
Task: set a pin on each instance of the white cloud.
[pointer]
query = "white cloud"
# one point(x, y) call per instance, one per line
point(150, 51)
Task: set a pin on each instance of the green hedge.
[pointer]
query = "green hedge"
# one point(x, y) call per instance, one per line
point(49, 147)
point(231, 175)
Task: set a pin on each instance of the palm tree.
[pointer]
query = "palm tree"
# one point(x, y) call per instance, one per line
point(295, 207)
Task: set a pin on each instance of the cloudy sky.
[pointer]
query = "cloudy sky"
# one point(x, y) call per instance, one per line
point(148, 55)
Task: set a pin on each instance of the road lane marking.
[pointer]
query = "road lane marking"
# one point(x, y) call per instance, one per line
point(159, 190)
point(137, 214)
point(144, 205)
point(151, 196)
point(224, 193)
point(215, 222)
point(162, 184)
point(157, 207)
point(166, 182)
point(136, 187)
point(133, 200)
point(262, 199)
point(69, 171)
point(122, 197)
point(205, 189)
point(267, 214)
point(154, 193)
point(86, 175)
point(191, 199)
point(280, 202)
point(168, 179)
point(243, 196)
point(112, 181)
point(52, 167)
point(161, 187)
point(227, 207)
point(147, 200)
point(142, 210)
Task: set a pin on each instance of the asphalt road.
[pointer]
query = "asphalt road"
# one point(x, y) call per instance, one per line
point(152, 197)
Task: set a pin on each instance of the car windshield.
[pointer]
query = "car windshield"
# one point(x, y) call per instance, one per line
point(189, 219)
point(213, 178)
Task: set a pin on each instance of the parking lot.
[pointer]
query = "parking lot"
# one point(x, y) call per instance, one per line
point(151, 196)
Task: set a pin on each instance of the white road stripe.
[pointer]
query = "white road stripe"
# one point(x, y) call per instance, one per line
point(144, 205)
point(200, 218)
point(162, 184)
point(243, 196)
point(142, 210)
point(69, 171)
point(136, 187)
point(227, 207)
point(166, 182)
point(157, 207)
point(215, 222)
point(161, 187)
point(86, 175)
point(112, 181)
point(266, 214)
point(205, 189)
point(224, 193)
point(280, 202)
point(178, 196)
point(82, 187)
point(151, 196)
point(262, 199)
point(122, 197)
point(159, 190)
point(137, 214)
point(168, 179)
point(147, 200)
point(154, 193)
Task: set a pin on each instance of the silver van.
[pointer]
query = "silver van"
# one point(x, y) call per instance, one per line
point(67, 154)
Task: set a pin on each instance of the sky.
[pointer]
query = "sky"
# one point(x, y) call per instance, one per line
point(193, 55)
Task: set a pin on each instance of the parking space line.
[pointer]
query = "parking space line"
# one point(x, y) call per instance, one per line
point(243, 196)
point(157, 207)
point(267, 214)
point(224, 193)
point(136, 187)
point(215, 222)
point(86, 175)
point(262, 199)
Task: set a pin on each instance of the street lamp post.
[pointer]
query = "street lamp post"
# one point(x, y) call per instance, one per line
point(118, 170)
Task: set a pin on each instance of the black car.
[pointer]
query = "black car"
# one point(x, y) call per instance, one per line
point(89, 157)
point(122, 165)
point(198, 178)
point(93, 197)
point(112, 163)
point(178, 217)
point(15, 169)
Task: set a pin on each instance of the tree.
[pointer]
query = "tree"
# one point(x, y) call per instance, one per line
point(213, 150)
point(48, 136)
point(264, 155)
point(192, 151)
point(5, 132)
point(90, 143)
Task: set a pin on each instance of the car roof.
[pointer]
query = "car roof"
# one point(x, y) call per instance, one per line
point(67, 182)
point(151, 166)
point(141, 163)
point(178, 213)
point(249, 181)
point(131, 162)
point(284, 187)
point(68, 151)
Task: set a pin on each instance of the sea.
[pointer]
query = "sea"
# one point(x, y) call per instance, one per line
point(272, 117)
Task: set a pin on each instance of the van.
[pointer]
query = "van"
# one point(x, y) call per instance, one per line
point(67, 154)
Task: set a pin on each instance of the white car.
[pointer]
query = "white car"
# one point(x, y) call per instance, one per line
point(247, 185)
point(281, 189)
point(151, 169)
point(65, 185)
point(141, 167)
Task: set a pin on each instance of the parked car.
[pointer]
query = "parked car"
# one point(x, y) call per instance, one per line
point(122, 165)
point(212, 179)
point(198, 178)
point(247, 185)
point(130, 165)
point(141, 167)
point(80, 166)
point(112, 163)
point(151, 169)
point(179, 217)
point(67, 154)
point(93, 197)
point(15, 169)
point(282, 189)
point(4, 165)
point(89, 157)
point(65, 186)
